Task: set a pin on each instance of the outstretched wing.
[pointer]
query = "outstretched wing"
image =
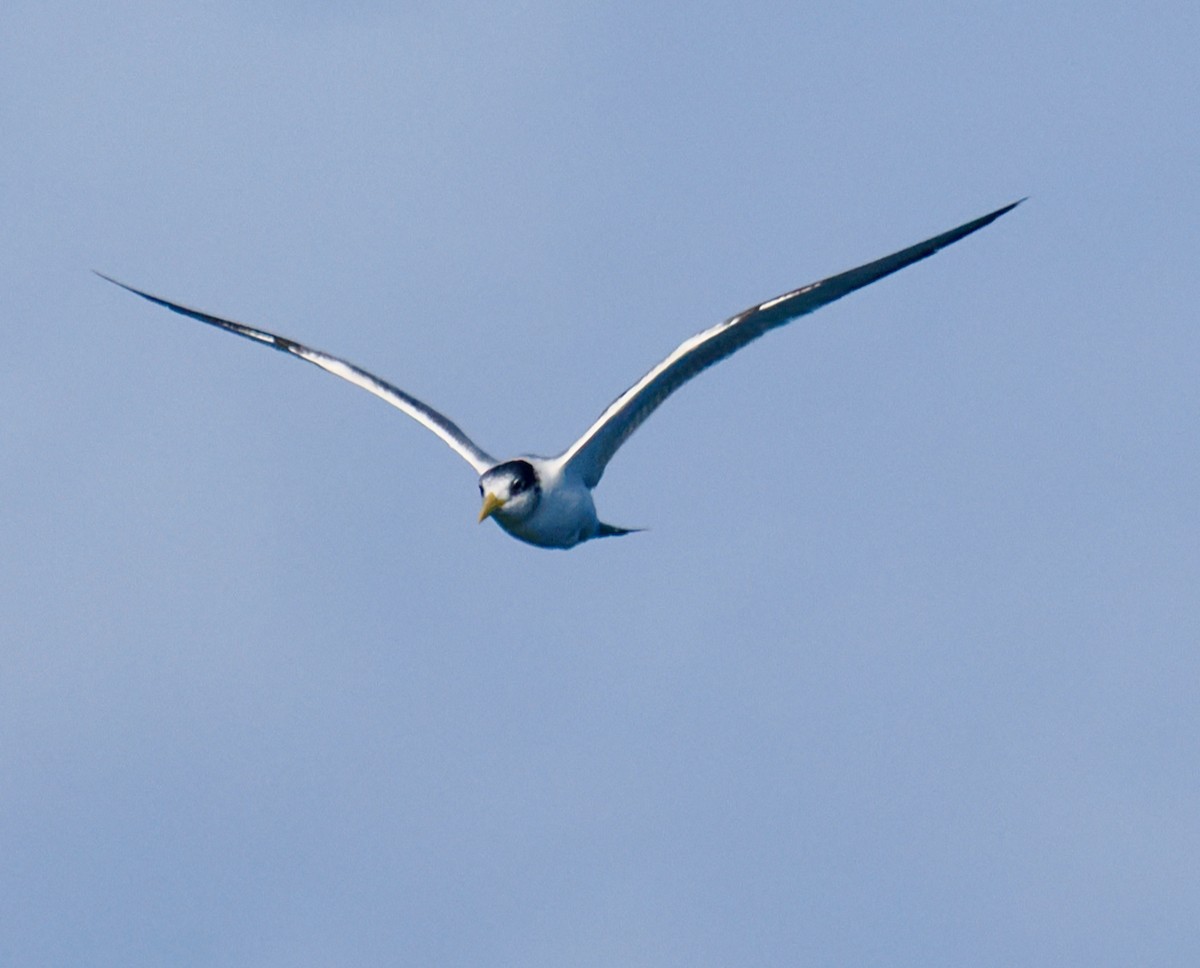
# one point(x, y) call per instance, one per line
point(422, 413)
point(590, 454)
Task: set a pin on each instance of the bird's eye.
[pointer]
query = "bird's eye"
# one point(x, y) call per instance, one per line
point(481, 490)
point(518, 486)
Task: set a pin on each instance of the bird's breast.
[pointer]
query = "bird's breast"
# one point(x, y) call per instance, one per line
point(565, 516)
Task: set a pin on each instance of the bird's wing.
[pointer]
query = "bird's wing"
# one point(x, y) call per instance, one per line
point(590, 454)
point(422, 413)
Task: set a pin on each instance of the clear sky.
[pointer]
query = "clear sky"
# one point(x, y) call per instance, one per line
point(905, 669)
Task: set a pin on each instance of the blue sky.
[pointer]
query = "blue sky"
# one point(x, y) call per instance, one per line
point(904, 671)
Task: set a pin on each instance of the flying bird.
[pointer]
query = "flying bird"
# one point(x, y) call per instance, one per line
point(547, 501)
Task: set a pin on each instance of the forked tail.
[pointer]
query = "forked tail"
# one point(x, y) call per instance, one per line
point(612, 531)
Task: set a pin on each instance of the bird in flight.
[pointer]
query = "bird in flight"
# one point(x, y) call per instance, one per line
point(547, 501)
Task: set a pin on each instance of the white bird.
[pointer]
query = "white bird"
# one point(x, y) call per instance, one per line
point(547, 501)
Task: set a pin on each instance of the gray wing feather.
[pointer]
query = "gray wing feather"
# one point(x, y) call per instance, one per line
point(421, 412)
point(590, 454)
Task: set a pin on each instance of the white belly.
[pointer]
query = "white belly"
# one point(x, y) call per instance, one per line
point(565, 516)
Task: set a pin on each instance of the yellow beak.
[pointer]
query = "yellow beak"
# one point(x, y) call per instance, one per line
point(490, 504)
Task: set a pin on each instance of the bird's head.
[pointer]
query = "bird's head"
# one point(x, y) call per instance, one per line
point(510, 491)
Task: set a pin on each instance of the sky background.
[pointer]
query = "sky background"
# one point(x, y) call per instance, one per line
point(905, 671)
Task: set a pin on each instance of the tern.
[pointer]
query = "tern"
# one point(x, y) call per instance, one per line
point(547, 501)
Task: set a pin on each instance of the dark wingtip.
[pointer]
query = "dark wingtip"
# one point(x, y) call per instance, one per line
point(127, 288)
point(1007, 208)
point(927, 248)
point(1003, 210)
point(159, 301)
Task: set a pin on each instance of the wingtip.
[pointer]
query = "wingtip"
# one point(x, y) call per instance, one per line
point(115, 282)
point(991, 216)
point(141, 292)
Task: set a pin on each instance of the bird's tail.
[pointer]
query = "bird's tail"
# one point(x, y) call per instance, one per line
point(612, 531)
